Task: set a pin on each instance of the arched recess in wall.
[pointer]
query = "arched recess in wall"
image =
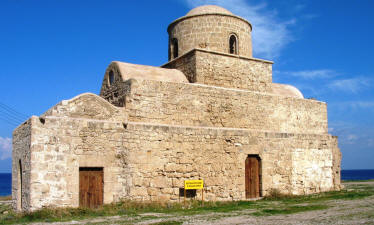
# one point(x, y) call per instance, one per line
point(233, 44)
point(174, 48)
point(19, 188)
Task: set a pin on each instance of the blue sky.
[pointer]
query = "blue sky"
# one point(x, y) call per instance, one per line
point(55, 49)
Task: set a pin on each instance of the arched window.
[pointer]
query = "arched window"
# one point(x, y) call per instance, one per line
point(233, 45)
point(111, 77)
point(174, 43)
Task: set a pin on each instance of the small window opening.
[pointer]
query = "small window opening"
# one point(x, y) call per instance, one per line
point(42, 120)
point(190, 193)
point(175, 47)
point(111, 77)
point(233, 45)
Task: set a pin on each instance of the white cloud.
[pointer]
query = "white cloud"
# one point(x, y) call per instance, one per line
point(361, 104)
point(352, 85)
point(355, 105)
point(310, 74)
point(5, 148)
point(371, 142)
point(351, 138)
point(348, 138)
point(270, 34)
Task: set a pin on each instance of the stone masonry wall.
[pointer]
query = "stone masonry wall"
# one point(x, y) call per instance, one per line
point(61, 145)
point(232, 71)
point(151, 162)
point(211, 32)
point(21, 152)
point(89, 106)
point(185, 63)
point(85, 131)
point(200, 105)
point(336, 158)
point(111, 92)
point(162, 157)
point(224, 70)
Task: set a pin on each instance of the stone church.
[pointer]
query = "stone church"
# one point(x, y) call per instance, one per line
point(211, 113)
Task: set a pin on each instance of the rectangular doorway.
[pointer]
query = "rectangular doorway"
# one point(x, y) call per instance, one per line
point(91, 186)
point(253, 176)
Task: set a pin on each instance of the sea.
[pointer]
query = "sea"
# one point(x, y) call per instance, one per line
point(6, 179)
point(5, 184)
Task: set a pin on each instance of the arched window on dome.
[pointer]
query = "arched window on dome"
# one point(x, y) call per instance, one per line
point(174, 47)
point(233, 44)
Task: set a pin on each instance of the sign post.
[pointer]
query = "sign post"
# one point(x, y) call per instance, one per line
point(194, 184)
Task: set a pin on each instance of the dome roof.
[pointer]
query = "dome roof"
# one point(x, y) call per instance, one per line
point(134, 71)
point(208, 9)
point(286, 90)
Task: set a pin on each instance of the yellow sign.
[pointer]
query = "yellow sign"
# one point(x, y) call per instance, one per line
point(193, 184)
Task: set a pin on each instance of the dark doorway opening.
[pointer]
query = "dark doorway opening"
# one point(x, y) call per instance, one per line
point(253, 176)
point(91, 186)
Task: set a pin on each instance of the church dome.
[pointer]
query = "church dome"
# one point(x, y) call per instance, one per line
point(208, 9)
point(211, 28)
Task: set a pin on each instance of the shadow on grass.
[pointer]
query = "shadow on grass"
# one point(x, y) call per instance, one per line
point(289, 210)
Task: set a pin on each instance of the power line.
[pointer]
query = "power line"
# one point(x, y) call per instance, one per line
point(9, 122)
point(11, 116)
point(5, 117)
point(11, 110)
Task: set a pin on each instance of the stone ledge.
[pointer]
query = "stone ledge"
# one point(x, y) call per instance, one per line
point(266, 133)
point(216, 53)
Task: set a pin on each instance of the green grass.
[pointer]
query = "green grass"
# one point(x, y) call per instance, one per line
point(275, 204)
point(350, 181)
point(289, 210)
point(352, 192)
